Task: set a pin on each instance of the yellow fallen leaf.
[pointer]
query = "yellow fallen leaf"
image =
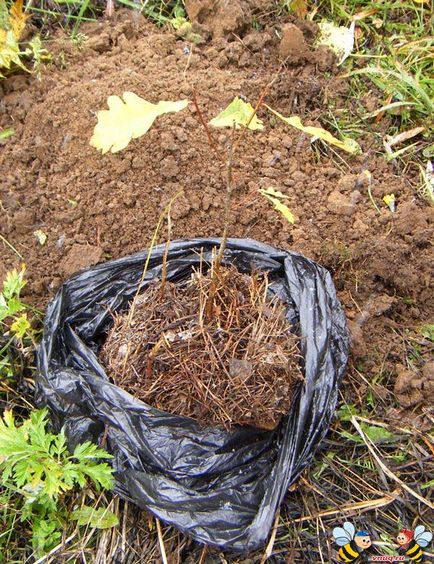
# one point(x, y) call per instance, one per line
point(389, 200)
point(299, 7)
point(275, 197)
point(128, 119)
point(240, 113)
point(9, 51)
point(14, 21)
point(17, 18)
point(12, 25)
point(40, 236)
point(348, 145)
point(270, 191)
point(284, 210)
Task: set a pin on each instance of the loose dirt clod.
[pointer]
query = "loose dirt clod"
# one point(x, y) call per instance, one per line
point(236, 365)
point(293, 46)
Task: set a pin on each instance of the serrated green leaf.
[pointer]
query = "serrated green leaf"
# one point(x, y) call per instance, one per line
point(14, 306)
point(351, 437)
point(97, 518)
point(54, 482)
point(101, 474)
point(90, 450)
point(239, 113)
point(373, 432)
point(45, 535)
point(37, 463)
point(21, 326)
point(346, 412)
point(377, 434)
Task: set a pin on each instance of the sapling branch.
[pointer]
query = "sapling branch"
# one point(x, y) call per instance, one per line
point(229, 179)
point(205, 126)
point(229, 186)
point(260, 101)
point(228, 198)
point(227, 216)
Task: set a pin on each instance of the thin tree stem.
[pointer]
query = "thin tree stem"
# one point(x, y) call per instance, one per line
point(228, 199)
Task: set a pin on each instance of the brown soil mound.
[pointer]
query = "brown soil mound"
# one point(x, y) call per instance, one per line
point(233, 363)
point(95, 207)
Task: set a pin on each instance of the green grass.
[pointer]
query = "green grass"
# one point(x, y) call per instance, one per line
point(395, 16)
point(406, 82)
point(392, 61)
point(158, 11)
point(64, 13)
point(72, 13)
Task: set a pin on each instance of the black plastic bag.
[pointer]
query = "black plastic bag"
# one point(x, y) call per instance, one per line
point(222, 488)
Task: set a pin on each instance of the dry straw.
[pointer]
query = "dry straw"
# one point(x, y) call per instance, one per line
point(238, 365)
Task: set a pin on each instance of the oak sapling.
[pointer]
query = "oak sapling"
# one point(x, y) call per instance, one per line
point(217, 324)
point(216, 347)
point(238, 114)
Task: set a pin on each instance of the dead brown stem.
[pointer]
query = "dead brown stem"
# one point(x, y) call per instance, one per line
point(166, 252)
point(228, 199)
point(205, 126)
